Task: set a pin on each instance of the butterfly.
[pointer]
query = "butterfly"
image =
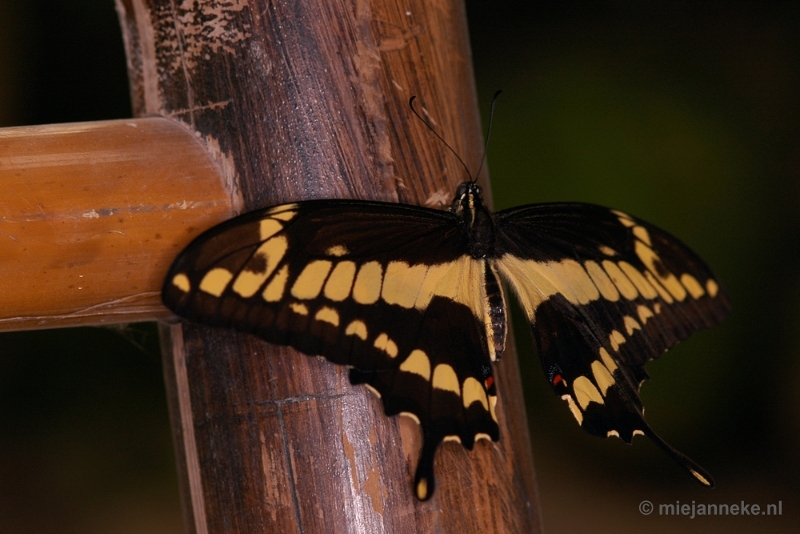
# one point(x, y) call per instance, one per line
point(411, 300)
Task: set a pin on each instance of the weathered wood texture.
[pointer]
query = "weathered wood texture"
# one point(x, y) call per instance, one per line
point(309, 99)
point(92, 214)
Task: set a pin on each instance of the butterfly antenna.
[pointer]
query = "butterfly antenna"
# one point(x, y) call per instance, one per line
point(411, 104)
point(488, 134)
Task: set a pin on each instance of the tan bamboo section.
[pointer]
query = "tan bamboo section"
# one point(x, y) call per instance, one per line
point(91, 215)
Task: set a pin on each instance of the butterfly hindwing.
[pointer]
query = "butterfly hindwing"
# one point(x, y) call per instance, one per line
point(298, 274)
point(385, 289)
point(602, 392)
point(446, 383)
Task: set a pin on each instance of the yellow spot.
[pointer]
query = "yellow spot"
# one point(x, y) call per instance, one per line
point(669, 281)
point(340, 281)
point(644, 313)
point(531, 287)
point(638, 279)
point(700, 477)
point(452, 437)
point(585, 392)
point(641, 233)
point(298, 308)
point(328, 315)
point(422, 489)
point(534, 282)
point(357, 328)
point(482, 435)
point(572, 281)
point(181, 281)
point(616, 339)
point(430, 284)
point(382, 342)
point(624, 218)
point(625, 287)
point(444, 378)
point(608, 251)
point(663, 293)
point(271, 252)
point(712, 288)
point(288, 212)
point(637, 433)
point(692, 285)
point(613, 433)
point(456, 281)
point(367, 288)
point(247, 283)
point(417, 363)
point(373, 391)
point(274, 290)
point(602, 376)
point(309, 284)
point(631, 324)
point(493, 407)
point(215, 281)
point(337, 250)
point(657, 308)
point(401, 283)
point(411, 416)
point(608, 361)
point(474, 392)
point(576, 412)
point(602, 281)
point(268, 227)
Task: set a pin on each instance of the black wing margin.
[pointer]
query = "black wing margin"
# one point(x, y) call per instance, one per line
point(385, 289)
point(605, 293)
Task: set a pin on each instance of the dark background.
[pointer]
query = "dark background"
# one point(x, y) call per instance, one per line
point(686, 116)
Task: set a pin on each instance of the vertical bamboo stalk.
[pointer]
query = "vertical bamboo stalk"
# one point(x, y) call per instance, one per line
point(307, 99)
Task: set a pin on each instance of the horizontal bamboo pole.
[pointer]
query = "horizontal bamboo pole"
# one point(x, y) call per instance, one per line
point(92, 214)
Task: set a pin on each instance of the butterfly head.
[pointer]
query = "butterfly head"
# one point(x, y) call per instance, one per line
point(468, 197)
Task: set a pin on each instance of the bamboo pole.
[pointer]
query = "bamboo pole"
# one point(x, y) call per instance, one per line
point(308, 99)
point(91, 214)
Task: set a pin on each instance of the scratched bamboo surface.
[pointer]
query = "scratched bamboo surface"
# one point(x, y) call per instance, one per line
point(309, 99)
point(90, 215)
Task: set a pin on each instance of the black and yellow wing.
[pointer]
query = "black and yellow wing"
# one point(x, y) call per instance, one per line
point(386, 289)
point(409, 299)
point(604, 293)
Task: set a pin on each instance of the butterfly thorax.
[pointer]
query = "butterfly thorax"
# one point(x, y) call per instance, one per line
point(475, 221)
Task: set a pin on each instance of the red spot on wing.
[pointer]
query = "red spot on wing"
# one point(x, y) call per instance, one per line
point(557, 380)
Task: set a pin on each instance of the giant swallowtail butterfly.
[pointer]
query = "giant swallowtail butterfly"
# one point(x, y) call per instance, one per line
point(410, 299)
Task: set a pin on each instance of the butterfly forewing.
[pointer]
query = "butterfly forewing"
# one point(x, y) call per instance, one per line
point(610, 267)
